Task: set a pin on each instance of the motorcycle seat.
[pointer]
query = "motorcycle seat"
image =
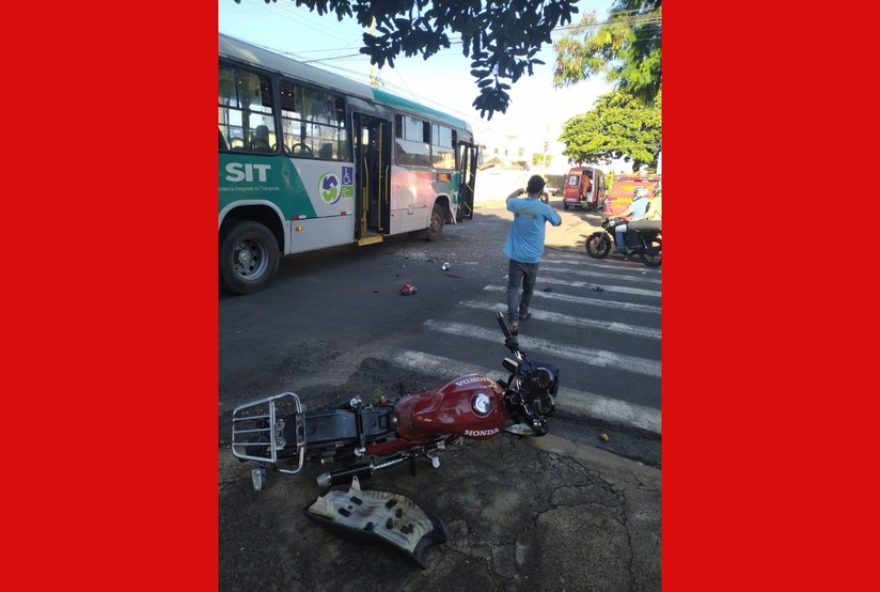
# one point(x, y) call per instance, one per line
point(340, 424)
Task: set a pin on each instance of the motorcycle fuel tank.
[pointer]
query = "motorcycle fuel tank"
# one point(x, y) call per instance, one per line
point(471, 406)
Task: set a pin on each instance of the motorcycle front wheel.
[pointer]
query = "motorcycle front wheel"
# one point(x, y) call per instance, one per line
point(598, 245)
point(652, 255)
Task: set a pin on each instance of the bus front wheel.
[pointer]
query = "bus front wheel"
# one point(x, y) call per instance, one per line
point(438, 217)
point(249, 257)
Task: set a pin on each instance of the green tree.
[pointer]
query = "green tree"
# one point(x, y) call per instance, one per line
point(619, 125)
point(625, 49)
point(501, 36)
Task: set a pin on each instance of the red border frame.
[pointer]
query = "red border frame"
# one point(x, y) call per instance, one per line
point(765, 415)
point(766, 406)
point(110, 377)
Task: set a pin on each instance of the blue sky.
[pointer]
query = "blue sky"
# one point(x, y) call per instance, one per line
point(537, 110)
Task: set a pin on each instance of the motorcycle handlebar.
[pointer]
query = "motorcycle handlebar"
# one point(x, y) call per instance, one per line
point(509, 340)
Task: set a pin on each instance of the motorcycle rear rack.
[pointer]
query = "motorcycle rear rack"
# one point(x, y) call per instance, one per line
point(268, 417)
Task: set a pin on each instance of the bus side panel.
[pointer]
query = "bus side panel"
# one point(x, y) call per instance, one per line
point(447, 183)
point(412, 199)
point(331, 190)
point(271, 178)
point(329, 185)
point(318, 233)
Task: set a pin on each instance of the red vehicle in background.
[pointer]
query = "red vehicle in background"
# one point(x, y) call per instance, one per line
point(621, 193)
point(584, 187)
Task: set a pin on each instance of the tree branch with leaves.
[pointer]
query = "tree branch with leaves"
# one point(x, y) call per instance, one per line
point(501, 36)
point(625, 49)
point(619, 125)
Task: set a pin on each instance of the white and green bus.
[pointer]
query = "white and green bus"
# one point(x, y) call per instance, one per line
point(309, 160)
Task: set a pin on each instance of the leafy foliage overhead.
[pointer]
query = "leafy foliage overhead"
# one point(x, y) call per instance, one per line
point(501, 36)
point(619, 125)
point(625, 49)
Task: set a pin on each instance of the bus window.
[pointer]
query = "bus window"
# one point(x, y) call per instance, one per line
point(412, 145)
point(246, 118)
point(442, 151)
point(313, 123)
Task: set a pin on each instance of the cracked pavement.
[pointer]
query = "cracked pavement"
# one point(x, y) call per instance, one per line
point(520, 513)
point(566, 512)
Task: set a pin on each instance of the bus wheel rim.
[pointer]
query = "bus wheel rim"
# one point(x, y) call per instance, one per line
point(250, 259)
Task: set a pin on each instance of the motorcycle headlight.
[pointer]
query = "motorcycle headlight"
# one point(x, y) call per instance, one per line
point(540, 380)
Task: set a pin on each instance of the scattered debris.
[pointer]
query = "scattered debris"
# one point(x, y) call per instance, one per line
point(354, 513)
point(445, 266)
point(598, 289)
point(603, 437)
point(408, 289)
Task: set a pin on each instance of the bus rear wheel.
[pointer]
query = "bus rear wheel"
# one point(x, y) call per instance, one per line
point(435, 230)
point(249, 257)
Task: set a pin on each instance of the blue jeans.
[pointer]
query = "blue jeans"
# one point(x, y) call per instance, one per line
point(620, 236)
point(520, 274)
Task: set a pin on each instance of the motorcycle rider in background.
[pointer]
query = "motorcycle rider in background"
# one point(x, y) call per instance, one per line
point(650, 220)
point(634, 212)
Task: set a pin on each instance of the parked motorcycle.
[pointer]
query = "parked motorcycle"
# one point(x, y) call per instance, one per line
point(362, 439)
point(599, 243)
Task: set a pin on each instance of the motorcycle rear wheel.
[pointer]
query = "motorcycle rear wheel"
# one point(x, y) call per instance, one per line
point(598, 245)
point(652, 255)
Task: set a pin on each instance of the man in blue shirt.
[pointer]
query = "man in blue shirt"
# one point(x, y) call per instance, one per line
point(635, 211)
point(524, 246)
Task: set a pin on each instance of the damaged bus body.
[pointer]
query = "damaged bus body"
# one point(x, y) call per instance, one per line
point(309, 160)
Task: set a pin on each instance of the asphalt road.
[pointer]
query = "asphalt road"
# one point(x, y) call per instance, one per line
point(334, 325)
point(327, 312)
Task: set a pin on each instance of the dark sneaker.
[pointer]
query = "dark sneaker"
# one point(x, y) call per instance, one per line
point(525, 316)
point(514, 329)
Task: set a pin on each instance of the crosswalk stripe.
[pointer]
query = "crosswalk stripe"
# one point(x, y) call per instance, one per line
point(594, 357)
point(560, 257)
point(568, 401)
point(555, 317)
point(600, 274)
point(605, 287)
point(586, 301)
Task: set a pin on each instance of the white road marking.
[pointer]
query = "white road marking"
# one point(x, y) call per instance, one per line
point(555, 317)
point(570, 259)
point(587, 301)
point(605, 287)
point(585, 355)
point(600, 274)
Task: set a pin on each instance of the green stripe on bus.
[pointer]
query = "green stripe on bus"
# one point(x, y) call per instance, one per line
point(270, 178)
point(386, 98)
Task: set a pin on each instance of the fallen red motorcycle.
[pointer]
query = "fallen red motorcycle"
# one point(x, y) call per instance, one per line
point(360, 439)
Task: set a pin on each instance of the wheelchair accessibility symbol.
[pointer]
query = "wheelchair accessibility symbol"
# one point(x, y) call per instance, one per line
point(347, 176)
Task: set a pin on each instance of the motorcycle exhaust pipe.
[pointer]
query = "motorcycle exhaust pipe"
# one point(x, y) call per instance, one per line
point(361, 471)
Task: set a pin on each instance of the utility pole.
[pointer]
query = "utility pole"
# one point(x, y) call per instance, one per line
point(374, 73)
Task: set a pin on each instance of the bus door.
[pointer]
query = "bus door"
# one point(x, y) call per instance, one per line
point(467, 169)
point(373, 156)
